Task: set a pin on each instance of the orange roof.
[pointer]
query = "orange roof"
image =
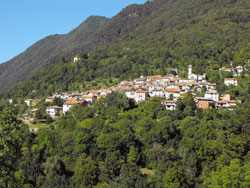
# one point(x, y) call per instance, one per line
point(230, 79)
point(212, 92)
point(211, 84)
point(87, 97)
point(141, 91)
point(170, 101)
point(173, 90)
point(94, 92)
point(174, 79)
point(71, 102)
point(79, 94)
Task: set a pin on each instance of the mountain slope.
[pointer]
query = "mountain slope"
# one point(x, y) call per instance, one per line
point(206, 34)
point(42, 52)
point(150, 39)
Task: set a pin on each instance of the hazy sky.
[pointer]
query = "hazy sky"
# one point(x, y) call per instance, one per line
point(24, 22)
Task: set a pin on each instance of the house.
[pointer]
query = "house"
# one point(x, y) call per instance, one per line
point(53, 110)
point(230, 105)
point(76, 58)
point(204, 103)
point(142, 80)
point(93, 93)
point(192, 76)
point(27, 117)
point(157, 93)
point(76, 95)
point(68, 104)
point(140, 95)
point(225, 97)
point(103, 93)
point(89, 98)
point(49, 99)
point(169, 104)
point(231, 81)
point(238, 70)
point(226, 69)
point(172, 92)
point(28, 102)
point(213, 95)
point(211, 86)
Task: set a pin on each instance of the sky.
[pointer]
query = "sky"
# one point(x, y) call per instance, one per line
point(24, 22)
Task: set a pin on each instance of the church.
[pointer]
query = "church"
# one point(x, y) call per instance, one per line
point(195, 77)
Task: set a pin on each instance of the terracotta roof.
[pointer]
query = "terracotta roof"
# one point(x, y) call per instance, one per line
point(230, 79)
point(170, 101)
point(87, 97)
point(94, 92)
point(71, 102)
point(79, 94)
point(57, 107)
point(173, 90)
point(174, 79)
point(211, 92)
point(141, 91)
point(221, 102)
point(211, 84)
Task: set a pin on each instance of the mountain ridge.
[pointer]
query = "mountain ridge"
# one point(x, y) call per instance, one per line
point(158, 35)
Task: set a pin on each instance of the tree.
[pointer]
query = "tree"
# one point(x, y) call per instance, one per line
point(12, 136)
point(58, 101)
point(85, 172)
point(234, 175)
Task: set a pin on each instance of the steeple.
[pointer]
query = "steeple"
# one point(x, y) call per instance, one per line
point(189, 69)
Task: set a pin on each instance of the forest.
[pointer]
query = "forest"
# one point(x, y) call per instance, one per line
point(117, 143)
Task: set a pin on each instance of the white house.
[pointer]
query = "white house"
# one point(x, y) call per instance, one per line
point(230, 105)
point(230, 81)
point(28, 102)
point(140, 95)
point(213, 95)
point(239, 69)
point(53, 110)
point(170, 105)
point(175, 92)
point(157, 93)
point(76, 59)
point(142, 80)
point(90, 99)
point(49, 99)
point(68, 104)
point(211, 86)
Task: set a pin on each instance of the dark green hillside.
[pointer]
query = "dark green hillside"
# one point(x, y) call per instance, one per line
point(116, 144)
point(215, 34)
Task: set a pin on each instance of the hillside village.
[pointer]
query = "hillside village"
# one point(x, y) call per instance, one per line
point(170, 87)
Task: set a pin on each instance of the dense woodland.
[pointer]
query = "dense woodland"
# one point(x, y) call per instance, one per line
point(117, 143)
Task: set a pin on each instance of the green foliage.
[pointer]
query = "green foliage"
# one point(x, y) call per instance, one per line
point(12, 138)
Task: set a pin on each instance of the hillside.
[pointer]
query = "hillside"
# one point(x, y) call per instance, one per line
point(152, 39)
point(46, 52)
point(198, 20)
